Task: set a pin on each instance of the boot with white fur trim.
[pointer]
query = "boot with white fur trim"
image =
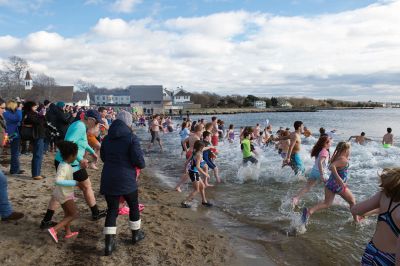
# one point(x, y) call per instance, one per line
point(110, 242)
point(137, 234)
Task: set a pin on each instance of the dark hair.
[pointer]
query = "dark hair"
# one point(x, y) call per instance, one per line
point(322, 131)
point(46, 102)
point(183, 125)
point(389, 130)
point(319, 146)
point(67, 149)
point(213, 118)
point(231, 126)
point(206, 134)
point(101, 109)
point(198, 145)
point(246, 134)
point(2, 101)
point(40, 107)
point(363, 134)
point(297, 125)
point(28, 106)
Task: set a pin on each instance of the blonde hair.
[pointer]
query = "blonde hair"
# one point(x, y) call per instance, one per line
point(390, 183)
point(342, 147)
point(11, 105)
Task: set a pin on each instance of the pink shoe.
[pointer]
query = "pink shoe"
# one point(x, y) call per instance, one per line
point(141, 207)
point(71, 235)
point(53, 234)
point(123, 211)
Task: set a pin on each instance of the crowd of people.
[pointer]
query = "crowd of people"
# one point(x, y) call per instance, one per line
point(199, 141)
point(79, 137)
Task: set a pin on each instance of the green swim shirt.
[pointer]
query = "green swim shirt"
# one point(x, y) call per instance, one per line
point(246, 148)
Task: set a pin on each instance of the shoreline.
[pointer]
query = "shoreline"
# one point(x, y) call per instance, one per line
point(174, 236)
point(224, 111)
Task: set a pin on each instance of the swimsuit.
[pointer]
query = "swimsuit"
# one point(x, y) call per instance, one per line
point(193, 171)
point(315, 173)
point(372, 255)
point(231, 135)
point(297, 164)
point(332, 184)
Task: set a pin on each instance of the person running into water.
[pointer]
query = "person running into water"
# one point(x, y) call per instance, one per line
point(63, 192)
point(209, 156)
point(384, 248)
point(184, 134)
point(230, 135)
point(336, 184)
point(388, 139)
point(360, 139)
point(321, 153)
point(215, 131)
point(293, 157)
point(155, 132)
point(247, 149)
point(195, 169)
point(283, 145)
point(190, 141)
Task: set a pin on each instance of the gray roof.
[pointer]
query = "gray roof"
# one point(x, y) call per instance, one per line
point(141, 93)
point(114, 92)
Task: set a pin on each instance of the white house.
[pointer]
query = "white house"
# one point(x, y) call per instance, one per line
point(260, 104)
point(181, 97)
point(81, 99)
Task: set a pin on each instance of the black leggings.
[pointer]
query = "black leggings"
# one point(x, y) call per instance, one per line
point(113, 205)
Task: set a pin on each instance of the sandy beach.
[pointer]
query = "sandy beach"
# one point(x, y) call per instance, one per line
point(174, 236)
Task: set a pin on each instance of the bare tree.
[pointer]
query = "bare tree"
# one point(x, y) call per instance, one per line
point(87, 87)
point(12, 77)
point(42, 80)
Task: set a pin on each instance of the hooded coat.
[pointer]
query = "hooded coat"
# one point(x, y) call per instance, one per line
point(121, 153)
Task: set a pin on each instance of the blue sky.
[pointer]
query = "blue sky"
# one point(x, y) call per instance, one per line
point(73, 17)
point(317, 48)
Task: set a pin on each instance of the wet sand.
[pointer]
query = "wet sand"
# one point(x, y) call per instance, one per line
point(174, 236)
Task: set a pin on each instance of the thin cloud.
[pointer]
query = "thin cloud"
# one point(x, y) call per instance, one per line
point(125, 6)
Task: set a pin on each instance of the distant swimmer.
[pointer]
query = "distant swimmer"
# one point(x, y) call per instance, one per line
point(360, 139)
point(388, 139)
point(330, 134)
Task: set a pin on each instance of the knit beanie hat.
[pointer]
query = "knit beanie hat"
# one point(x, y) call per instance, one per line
point(125, 117)
point(60, 104)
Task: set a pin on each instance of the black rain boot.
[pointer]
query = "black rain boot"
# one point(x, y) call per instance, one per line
point(110, 245)
point(137, 235)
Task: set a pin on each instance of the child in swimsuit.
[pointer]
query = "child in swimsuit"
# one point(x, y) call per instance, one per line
point(336, 183)
point(194, 170)
point(383, 249)
point(209, 156)
point(64, 190)
point(230, 135)
point(321, 153)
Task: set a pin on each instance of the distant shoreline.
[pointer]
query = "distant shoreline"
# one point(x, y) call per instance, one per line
point(223, 111)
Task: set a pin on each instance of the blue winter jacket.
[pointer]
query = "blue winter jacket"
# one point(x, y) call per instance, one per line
point(121, 153)
point(13, 121)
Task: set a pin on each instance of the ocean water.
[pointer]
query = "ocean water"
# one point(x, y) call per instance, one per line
point(254, 204)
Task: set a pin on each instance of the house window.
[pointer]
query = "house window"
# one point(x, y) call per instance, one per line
point(146, 102)
point(157, 102)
